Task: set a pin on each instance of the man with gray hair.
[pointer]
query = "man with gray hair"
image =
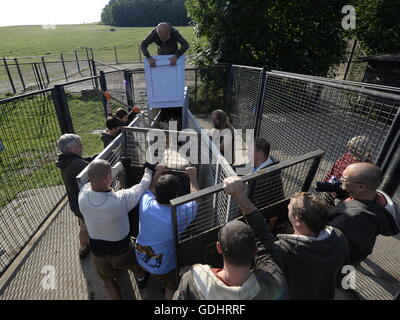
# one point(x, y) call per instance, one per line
point(166, 37)
point(71, 163)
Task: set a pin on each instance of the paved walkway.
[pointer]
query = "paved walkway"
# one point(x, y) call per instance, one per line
point(56, 253)
point(75, 279)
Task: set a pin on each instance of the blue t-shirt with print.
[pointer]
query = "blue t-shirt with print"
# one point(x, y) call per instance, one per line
point(155, 245)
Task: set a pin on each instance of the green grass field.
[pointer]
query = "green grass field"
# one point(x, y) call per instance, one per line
point(28, 41)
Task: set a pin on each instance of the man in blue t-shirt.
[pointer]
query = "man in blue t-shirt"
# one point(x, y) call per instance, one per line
point(155, 246)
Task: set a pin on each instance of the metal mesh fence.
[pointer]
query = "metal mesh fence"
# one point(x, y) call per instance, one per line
point(31, 185)
point(86, 107)
point(266, 188)
point(348, 123)
point(117, 86)
point(40, 73)
point(245, 89)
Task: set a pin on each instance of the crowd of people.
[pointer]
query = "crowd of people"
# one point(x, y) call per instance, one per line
point(305, 262)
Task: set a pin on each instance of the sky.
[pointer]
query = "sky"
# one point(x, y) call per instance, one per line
point(44, 12)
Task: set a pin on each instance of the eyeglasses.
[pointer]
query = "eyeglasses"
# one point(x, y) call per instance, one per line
point(345, 180)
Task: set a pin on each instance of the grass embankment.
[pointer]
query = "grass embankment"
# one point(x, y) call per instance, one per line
point(28, 41)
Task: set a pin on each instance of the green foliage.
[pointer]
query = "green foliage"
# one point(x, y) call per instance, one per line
point(377, 25)
point(144, 13)
point(301, 36)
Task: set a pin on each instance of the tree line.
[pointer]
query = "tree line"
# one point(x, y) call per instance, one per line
point(144, 13)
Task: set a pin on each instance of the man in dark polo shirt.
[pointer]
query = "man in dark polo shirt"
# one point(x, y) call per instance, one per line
point(166, 37)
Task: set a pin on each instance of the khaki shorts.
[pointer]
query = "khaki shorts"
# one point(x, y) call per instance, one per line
point(108, 266)
point(168, 280)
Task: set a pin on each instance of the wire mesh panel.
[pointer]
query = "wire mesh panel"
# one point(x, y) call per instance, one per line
point(30, 183)
point(193, 227)
point(154, 145)
point(86, 107)
point(301, 114)
point(245, 88)
point(117, 85)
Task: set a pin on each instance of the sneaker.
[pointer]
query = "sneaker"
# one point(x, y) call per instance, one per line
point(142, 282)
point(83, 252)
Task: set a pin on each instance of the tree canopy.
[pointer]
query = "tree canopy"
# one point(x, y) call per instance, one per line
point(303, 36)
point(144, 13)
point(378, 25)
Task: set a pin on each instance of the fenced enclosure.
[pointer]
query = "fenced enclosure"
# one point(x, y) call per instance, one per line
point(30, 125)
point(296, 113)
point(215, 208)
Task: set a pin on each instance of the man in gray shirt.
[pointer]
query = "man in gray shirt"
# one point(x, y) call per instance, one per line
point(166, 37)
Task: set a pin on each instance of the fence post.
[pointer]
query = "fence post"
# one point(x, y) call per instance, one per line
point(391, 179)
point(20, 73)
point(77, 62)
point(228, 89)
point(9, 75)
point(93, 66)
point(103, 87)
point(350, 60)
point(45, 71)
point(91, 51)
point(140, 54)
point(62, 110)
point(311, 174)
point(115, 52)
point(128, 78)
point(65, 70)
point(260, 102)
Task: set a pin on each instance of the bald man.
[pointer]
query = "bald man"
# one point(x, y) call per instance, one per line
point(367, 213)
point(106, 216)
point(166, 37)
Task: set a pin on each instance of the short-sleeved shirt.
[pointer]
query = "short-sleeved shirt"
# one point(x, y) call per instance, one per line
point(155, 246)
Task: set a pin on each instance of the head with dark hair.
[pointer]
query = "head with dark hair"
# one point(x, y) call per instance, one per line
point(114, 125)
point(307, 213)
point(237, 243)
point(219, 119)
point(262, 145)
point(166, 188)
point(122, 115)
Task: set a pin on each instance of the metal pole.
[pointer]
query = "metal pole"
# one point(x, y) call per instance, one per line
point(65, 70)
point(20, 73)
point(260, 102)
point(62, 110)
point(115, 52)
point(9, 76)
point(93, 64)
point(127, 77)
point(91, 51)
point(45, 71)
point(391, 180)
point(140, 54)
point(103, 87)
point(77, 62)
point(349, 61)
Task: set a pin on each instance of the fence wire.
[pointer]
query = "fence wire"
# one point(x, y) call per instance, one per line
point(301, 115)
point(245, 90)
point(30, 182)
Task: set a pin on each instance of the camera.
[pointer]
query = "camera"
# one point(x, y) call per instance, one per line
point(333, 185)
